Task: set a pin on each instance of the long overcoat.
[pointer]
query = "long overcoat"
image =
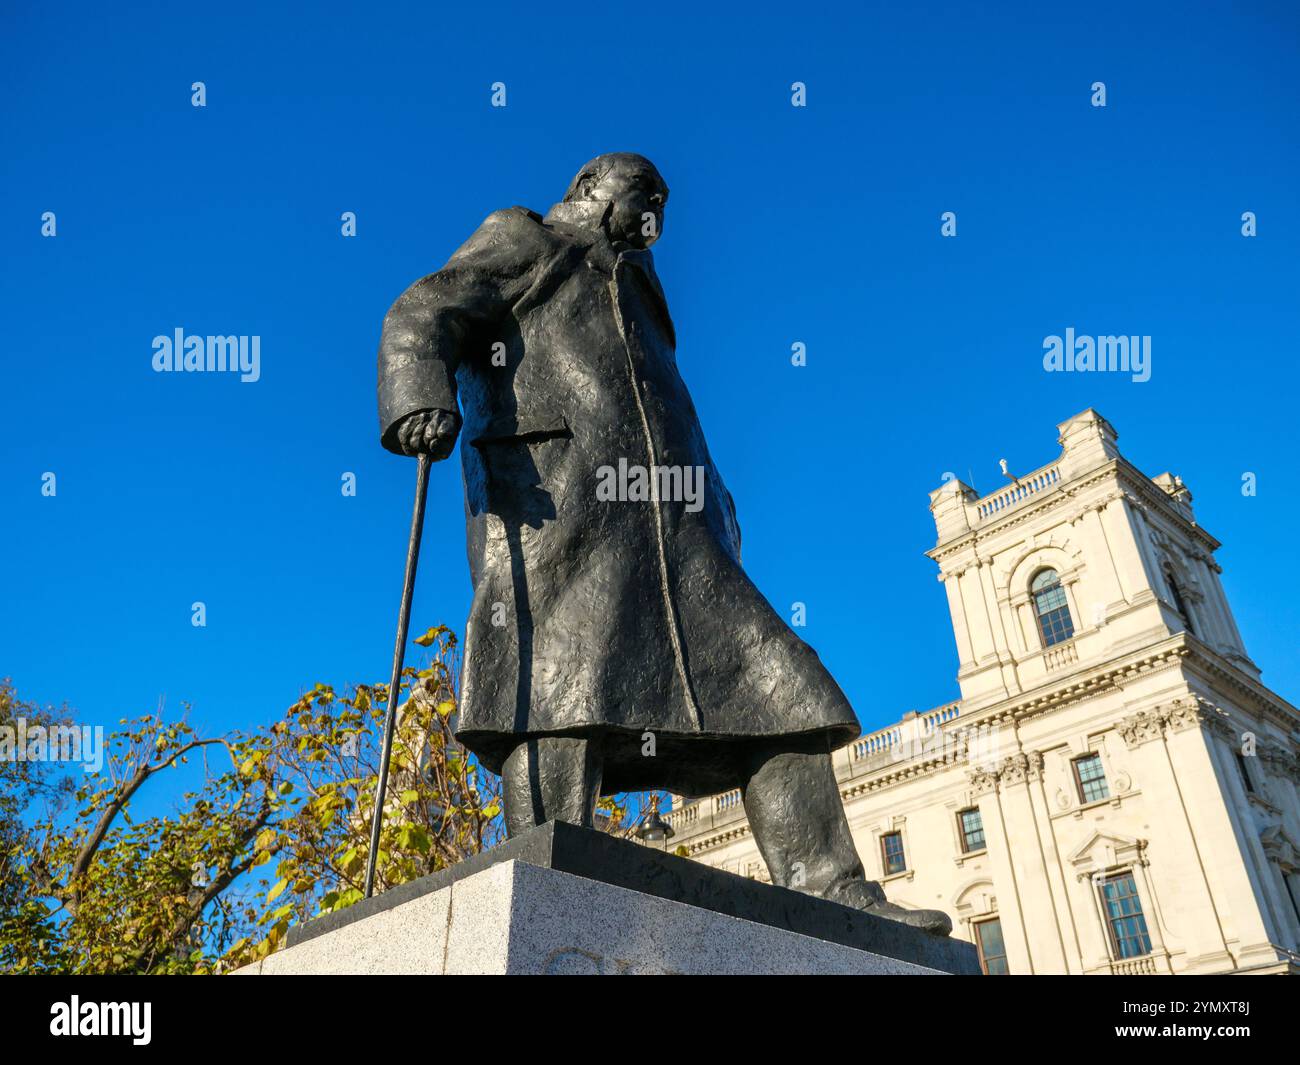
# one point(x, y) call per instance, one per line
point(591, 614)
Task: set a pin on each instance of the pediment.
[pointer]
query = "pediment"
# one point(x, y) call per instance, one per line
point(1106, 850)
point(976, 896)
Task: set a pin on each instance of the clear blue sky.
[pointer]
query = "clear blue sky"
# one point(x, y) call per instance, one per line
point(818, 225)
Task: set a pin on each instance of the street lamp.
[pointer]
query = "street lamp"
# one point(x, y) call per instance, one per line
point(652, 828)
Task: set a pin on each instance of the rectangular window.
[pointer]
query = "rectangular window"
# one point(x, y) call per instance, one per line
point(891, 850)
point(1124, 918)
point(972, 830)
point(1090, 778)
point(1245, 773)
point(993, 954)
point(1292, 883)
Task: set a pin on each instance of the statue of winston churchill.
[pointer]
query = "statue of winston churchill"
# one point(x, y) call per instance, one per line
point(596, 621)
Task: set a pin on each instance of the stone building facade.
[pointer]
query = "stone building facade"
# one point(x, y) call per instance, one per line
point(1115, 792)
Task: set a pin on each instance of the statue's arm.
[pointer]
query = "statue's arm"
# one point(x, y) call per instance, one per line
point(433, 325)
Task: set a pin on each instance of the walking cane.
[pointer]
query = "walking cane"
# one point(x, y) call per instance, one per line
point(394, 687)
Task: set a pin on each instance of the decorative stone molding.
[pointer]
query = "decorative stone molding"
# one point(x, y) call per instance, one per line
point(1280, 849)
point(1279, 760)
point(1056, 552)
point(1142, 494)
point(1030, 511)
point(1175, 652)
point(1015, 769)
point(706, 843)
point(1182, 713)
point(1140, 728)
point(975, 899)
point(1193, 712)
point(1022, 768)
point(1105, 853)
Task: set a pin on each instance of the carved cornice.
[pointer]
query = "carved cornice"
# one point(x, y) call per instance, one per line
point(1220, 671)
point(716, 839)
point(1176, 652)
point(1158, 501)
point(1138, 490)
point(1061, 495)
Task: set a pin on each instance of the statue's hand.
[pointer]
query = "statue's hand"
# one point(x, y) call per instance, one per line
point(431, 432)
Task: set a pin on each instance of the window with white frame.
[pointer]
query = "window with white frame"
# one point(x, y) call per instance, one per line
point(1051, 607)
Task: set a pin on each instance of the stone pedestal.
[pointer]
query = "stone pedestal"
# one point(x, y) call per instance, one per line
point(562, 899)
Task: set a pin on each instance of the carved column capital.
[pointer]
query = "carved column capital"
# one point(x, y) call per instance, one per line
point(1021, 768)
point(1193, 712)
point(1185, 712)
point(983, 781)
point(1140, 728)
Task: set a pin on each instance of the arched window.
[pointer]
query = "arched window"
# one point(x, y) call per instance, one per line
point(1175, 593)
point(1051, 607)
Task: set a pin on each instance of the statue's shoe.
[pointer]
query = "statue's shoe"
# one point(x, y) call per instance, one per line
point(868, 896)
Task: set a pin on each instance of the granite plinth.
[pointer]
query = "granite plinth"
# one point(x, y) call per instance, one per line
point(563, 899)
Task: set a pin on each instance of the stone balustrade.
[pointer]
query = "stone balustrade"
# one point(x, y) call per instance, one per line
point(1005, 498)
point(713, 810)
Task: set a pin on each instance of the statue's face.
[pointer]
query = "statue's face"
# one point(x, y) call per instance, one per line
point(638, 196)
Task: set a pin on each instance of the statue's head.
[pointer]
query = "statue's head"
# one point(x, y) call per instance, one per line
point(634, 190)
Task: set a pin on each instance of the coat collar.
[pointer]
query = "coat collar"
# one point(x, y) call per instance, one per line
point(644, 262)
point(587, 216)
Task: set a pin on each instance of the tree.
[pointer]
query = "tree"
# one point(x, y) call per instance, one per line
point(441, 806)
point(93, 890)
point(277, 832)
point(25, 783)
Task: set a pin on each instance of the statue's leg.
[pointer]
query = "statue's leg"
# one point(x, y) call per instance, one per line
point(798, 820)
point(795, 811)
point(551, 778)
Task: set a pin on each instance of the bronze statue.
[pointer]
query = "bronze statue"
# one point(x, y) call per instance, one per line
point(614, 642)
